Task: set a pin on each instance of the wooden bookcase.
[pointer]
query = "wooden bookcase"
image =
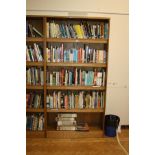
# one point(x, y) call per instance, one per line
point(94, 117)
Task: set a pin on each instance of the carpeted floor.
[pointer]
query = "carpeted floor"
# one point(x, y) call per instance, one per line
point(85, 146)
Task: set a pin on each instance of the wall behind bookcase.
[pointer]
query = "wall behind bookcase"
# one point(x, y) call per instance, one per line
point(118, 87)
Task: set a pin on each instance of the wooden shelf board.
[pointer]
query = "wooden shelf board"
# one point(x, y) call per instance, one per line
point(75, 110)
point(34, 87)
point(34, 110)
point(77, 40)
point(28, 63)
point(31, 39)
point(74, 88)
point(35, 134)
point(70, 64)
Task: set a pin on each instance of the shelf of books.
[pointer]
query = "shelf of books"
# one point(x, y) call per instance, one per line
point(66, 76)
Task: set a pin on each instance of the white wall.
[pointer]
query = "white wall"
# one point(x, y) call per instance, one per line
point(118, 85)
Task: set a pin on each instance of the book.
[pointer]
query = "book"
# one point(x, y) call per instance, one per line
point(66, 128)
point(67, 115)
point(82, 127)
point(66, 123)
point(37, 32)
point(65, 118)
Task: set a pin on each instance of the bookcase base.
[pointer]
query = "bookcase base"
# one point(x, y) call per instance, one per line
point(75, 134)
point(35, 134)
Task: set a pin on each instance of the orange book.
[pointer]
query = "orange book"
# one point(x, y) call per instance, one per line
point(79, 55)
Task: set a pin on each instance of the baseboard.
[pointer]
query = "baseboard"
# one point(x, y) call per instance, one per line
point(124, 126)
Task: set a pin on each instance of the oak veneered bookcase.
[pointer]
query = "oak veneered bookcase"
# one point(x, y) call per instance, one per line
point(93, 116)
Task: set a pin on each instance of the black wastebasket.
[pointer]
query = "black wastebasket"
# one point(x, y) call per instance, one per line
point(111, 124)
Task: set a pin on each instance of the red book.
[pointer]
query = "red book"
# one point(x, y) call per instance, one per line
point(62, 76)
point(95, 77)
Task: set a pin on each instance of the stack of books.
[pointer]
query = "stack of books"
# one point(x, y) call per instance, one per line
point(35, 122)
point(66, 121)
point(34, 53)
point(34, 76)
point(76, 76)
point(83, 30)
point(34, 100)
point(84, 55)
point(78, 100)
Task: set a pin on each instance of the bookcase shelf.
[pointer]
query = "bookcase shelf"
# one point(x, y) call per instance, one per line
point(75, 88)
point(75, 110)
point(70, 64)
point(29, 64)
point(51, 52)
point(34, 110)
point(68, 40)
point(34, 87)
point(35, 134)
point(35, 39)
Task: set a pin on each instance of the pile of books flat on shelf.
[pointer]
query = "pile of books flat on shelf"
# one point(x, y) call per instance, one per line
point(67, 122)
point(83, 30)
point(84, 55)
point(34, 53)
point(35, 122)
point(78, 100)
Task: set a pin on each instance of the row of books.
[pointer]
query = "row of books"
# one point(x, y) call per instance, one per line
point(83, 30)
point(76, 76)
point(34, 76)
point(35, 122)
point(34, 100)
point(84, 55)
point(66, 121)
point(34, 53)
point(71, 100)
point(32, 31)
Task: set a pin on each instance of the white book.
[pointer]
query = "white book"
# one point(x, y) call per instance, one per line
point(47, 28)
point(51, 79)
point(60, 123)
point(65, 119)
point(51, 101)
point(27, 55)
point(103, 80)
point(42, 77)
point(100, 56)
point(67, 115)
point(69, 128)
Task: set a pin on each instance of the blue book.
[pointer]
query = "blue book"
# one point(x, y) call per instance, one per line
point(106, 31)
point(74, 55)
point(68, 54)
